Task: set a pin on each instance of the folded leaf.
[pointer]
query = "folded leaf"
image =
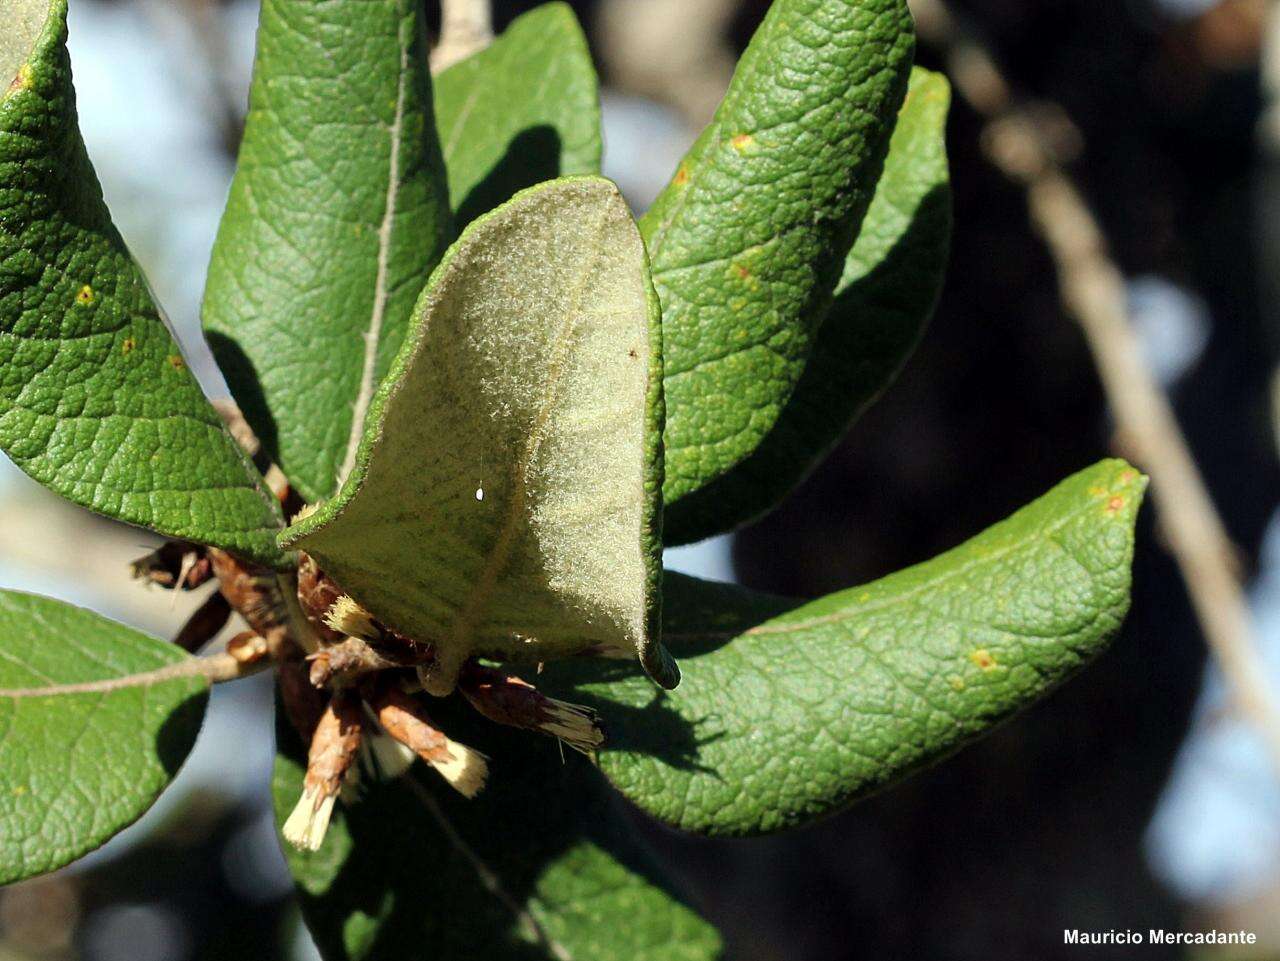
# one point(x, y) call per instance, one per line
point(749, 238)
point(539, 866)
point(884, 301)
point(96, 402)
point(80, 758)
point(523, 110)
point(789, 710)
point(506, 496)
point(337, 214)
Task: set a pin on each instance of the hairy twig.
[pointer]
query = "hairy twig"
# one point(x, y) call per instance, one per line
point(1093, 291)
point(466, 26)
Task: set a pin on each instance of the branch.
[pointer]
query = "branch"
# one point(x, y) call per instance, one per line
point(1092, 289)
point(675, 51)
point(466, 27)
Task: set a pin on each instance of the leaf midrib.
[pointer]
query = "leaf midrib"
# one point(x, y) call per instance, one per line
point(464, 624)
point(170, 672)
point(373, 335)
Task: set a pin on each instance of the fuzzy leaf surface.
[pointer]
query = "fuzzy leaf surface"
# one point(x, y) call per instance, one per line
point(540, 866)
point(884, 300)
point(506, 498)
point(524, 110)
point(78, 767)
point(790, 710)
point(337, 214)
point(96, 402)
point(749, 238)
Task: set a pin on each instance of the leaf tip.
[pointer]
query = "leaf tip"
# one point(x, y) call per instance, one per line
point(1122, 490)
point(660, 665)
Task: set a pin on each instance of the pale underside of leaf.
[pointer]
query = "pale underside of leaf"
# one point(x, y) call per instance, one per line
point(23, 20)
point(504, 500)
point(95, 719)
point(791, 710)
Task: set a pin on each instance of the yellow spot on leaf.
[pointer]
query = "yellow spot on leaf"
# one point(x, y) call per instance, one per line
point(1115, 504)
point(128, 345)
point(22, 81)
point(983, 659)
point(19, 790)
point(957, 683)
point(741, 141)
point(85, 296)
point(744, 274)
point(176, 362)
point(682, 176)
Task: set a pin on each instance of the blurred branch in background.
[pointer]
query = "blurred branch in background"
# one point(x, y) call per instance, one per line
point(1027, 146)
point(688, 67)
point(465, 27)
point(1269, 148)
point(195, 30)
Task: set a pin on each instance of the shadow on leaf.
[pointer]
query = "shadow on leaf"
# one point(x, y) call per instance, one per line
point(411, 869)
point(246, 386)
point(532, 156)
point(866, 338)
point(177, 735)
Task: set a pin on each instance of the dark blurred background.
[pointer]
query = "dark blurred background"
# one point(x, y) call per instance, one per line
point(1131, 798)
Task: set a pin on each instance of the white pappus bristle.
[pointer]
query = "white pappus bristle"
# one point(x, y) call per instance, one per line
point(390, 757)
point(307, 825)
point(346, 616)
point(579, 727)
point(466, 769)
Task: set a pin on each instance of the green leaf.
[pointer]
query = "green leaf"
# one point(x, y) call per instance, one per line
point(539, 866)
point(523, 110)
point(506, 496)
point(791, 710)
point(885, 298)
point(337, 214)
point(96, 402)
point(748, 239)
point(81, 761)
